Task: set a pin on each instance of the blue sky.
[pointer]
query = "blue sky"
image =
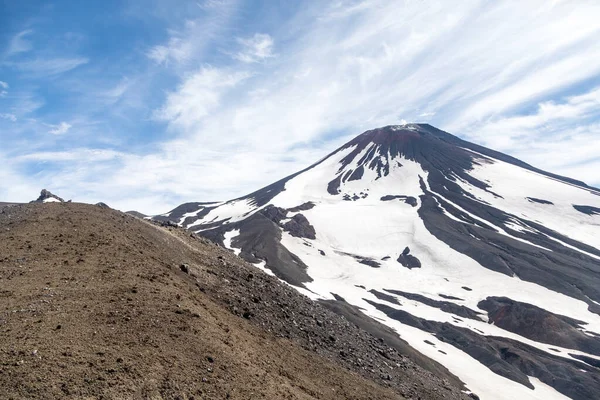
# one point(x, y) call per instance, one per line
point(147, 104)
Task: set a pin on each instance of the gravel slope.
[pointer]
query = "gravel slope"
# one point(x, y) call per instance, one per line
point(99, 304)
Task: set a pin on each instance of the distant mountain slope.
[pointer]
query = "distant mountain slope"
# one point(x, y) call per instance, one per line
point(99, 304)
point(481, 262)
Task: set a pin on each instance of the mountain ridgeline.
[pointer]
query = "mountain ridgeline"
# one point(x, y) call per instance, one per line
point(481, 263)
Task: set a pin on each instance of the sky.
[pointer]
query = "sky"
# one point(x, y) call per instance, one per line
point(147, 104)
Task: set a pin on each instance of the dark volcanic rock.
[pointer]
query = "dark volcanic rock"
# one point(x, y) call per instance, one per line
point(445, 306)
point(260, 240)
point(385, 297)
point(177, 213)
point(370, 262)
point(539, 201)
point(357, 174)
point(45, 195)
point(509, 358)
point(559, 268)
point(275, 214)
point(407, 199)
point(407, 260)
point(589, 210)
point(334, 186)
point(594, 362)
point(299, 226)
point(302, 207)
point(445, 296)
point(538, 324)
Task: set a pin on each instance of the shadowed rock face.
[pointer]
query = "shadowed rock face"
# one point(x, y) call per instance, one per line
point(299, 226)
point(302, 207)
point(539, 201)
point(408, 260)
point(446, 306)
point(589, 210)
point(538, 324)
point(260, 240)
point(407, 199)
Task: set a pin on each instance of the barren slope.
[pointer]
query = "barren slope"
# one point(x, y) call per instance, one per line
point(96, 304)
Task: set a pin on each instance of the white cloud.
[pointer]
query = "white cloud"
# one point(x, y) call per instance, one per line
point(19, 43)
point(190, 42)
point(81, 155)
point(558, 136)
point(59, 129)
point(198, 96)
point(10, 117)
point(394, 61)
point(44, 67)
point(3, 85)
point(177, 50)
point(256, 48)
point(491, 71)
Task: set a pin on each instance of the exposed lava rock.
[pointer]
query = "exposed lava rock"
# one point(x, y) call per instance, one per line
point(509, 358)
point(357, 174)
point(333, 187)
point(45, 195)
point(538, 324)
point(385, 297)
point(407, 260)
point(539, 201)
point(177, 213)
point(445, 306)
point(302, 207)
point(370, 262)
point(445, 296)
point(275, 214)
point(407, 199)
point(589, 210)
point(561, 269)
point(594, 362)
point(299, 226)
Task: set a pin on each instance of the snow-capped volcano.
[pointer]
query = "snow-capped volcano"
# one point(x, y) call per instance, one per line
point(479, 261)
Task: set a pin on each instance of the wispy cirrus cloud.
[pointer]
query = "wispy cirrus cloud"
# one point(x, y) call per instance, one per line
point(189, 41)
point(176, 50)
point(222, 107)
point(19, 43)
point(10, 117)
point(3, 87)
point(59, 129)
point(198, 96)
point(44, 67)
point(256, 48)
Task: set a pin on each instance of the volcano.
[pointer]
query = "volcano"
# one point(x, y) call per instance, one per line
point(479, 261)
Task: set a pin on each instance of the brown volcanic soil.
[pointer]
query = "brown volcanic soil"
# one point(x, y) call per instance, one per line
point(94, 304)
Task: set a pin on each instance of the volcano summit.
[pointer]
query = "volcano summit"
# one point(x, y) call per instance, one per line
point(479, 261)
